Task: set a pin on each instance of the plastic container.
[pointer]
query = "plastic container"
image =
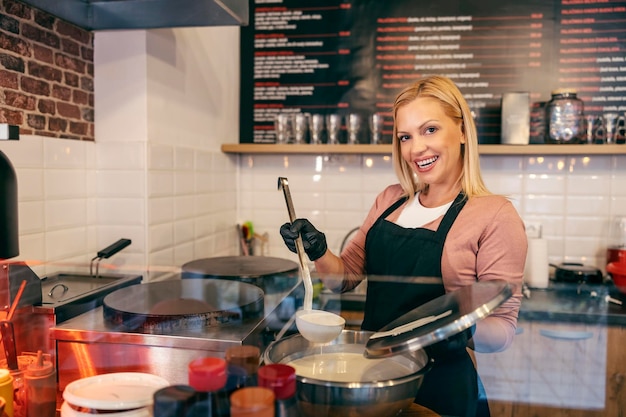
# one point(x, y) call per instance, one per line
point(174, 401)
point(208, 377)
point(281, 379)
point(19, 387)
point(6, 390)
point(243, 364)
point(119, 394)
point(252, 402)
point(41, 388)
point(616, 248)
point(566, 122)
point(19, 392)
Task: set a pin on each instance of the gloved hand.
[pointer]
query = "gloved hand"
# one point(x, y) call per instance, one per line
point(313, 240)
point(451, 346)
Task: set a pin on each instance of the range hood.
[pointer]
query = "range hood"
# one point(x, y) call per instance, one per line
point(146, 14)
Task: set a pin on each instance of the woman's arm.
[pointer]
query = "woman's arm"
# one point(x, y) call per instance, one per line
point(488, 241)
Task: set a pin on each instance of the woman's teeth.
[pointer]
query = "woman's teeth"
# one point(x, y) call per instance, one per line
point(427, 162)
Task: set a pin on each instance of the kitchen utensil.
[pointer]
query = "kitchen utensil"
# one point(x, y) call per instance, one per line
point(8, 341)
point(316, 325)
point(8, 332)
point(182, 305)
point(384, 387)
point(262, 271)
point(577, 273)
point(242, 240)
point(107, 253)
point(439, 319)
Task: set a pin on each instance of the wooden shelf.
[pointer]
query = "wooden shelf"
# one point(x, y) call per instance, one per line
point(258, 148)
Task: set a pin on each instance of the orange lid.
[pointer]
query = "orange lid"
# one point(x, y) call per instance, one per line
point(251, 399)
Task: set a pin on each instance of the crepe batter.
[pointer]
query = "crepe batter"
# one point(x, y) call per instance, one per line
point(349, 367)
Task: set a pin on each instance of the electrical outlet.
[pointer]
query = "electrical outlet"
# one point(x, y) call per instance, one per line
point(533, 229)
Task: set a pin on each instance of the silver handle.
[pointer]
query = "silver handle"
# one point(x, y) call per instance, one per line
point(306, 275)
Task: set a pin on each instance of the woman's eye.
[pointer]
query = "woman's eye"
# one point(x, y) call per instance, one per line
point(430, 130)
point(403, 138)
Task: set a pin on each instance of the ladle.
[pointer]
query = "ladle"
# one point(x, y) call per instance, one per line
point(317, 326)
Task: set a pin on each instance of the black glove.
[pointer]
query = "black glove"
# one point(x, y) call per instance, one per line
point(451, 346)
point(313, 240)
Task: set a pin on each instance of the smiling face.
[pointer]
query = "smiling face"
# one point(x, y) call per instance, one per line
point(430, 142)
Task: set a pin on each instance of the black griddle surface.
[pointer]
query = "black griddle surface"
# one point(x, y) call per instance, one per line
point(181, 305)
point(238, 267)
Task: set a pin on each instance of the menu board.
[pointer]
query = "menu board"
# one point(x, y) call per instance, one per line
point(353, 56)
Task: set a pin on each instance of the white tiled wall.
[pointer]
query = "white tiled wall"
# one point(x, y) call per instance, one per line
point(76, 198)
point(572, 197)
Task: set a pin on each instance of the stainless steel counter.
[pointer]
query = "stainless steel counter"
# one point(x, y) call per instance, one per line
point(575, 303)
point(87, 345)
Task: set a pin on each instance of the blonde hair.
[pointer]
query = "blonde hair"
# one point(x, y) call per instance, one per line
point(454, 105)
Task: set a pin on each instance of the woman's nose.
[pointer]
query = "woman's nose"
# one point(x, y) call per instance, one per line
point(417, 145)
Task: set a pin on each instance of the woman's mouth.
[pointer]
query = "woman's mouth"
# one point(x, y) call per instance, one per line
point(426, 163)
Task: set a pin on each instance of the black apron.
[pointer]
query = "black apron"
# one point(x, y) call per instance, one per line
point(450, 388)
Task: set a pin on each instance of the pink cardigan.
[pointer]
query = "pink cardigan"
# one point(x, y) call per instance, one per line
point(487, 241)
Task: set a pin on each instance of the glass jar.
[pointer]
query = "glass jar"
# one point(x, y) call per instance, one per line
point(565, 117)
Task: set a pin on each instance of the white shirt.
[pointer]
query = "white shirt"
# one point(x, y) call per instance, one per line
point(416, 215)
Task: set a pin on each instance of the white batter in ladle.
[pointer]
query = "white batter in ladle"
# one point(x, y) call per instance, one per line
point(317, 326)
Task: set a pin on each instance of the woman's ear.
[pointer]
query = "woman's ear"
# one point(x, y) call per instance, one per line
point(462, 133)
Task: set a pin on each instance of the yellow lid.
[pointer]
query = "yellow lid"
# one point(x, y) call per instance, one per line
point(560, 91)
point(5, 375)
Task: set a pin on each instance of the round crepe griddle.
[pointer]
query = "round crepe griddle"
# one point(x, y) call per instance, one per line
point(238, 267)
point(182, 305)
point(269, 274)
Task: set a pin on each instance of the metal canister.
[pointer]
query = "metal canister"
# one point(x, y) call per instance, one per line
point(565, 117)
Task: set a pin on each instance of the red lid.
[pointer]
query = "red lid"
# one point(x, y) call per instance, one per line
point(279, 378)
point(616, 268)
point(207, 374)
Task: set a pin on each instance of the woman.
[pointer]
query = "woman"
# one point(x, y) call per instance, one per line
point(439, 221)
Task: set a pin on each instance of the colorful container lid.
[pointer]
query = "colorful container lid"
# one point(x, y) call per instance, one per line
point(114, 391)
point(207, 374)
point(280, 378)
point(439, 319)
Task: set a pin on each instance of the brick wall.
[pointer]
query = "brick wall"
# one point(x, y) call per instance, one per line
point(46, 73)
